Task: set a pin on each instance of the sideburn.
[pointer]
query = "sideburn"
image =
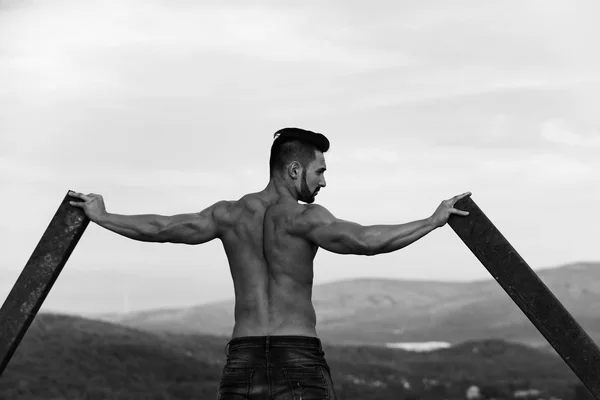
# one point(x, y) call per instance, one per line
point(305, 193)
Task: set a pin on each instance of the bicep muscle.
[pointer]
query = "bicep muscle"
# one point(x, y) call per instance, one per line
point(333, 234)
point(194, 228)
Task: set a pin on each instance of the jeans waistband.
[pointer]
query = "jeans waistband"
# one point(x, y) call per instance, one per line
point(268, 342)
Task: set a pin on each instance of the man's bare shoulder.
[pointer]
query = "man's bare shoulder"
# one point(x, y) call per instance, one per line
point(309, 217)
point(227, 213)
point(315, 212)
point(250, 203)
point(221, 210)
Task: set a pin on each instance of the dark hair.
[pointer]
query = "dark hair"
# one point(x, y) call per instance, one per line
point(295, 144)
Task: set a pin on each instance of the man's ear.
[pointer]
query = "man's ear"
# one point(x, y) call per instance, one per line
point(294, 170)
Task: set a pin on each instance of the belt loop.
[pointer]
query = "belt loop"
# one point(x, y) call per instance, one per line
point(227, 349)
point(268, 337)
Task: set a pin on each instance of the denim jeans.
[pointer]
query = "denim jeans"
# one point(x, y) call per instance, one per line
point(275, 368)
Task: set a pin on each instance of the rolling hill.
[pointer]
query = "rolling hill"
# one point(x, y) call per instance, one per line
point(380, 311)
point(67, 357)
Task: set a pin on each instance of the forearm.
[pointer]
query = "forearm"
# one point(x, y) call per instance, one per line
point(380, 239)
point(145, 228)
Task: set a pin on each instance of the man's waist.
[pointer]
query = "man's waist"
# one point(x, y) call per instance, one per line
point(257, 325)
point(284, 351)
point(274, 341)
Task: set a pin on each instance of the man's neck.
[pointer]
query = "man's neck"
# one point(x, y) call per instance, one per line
point(277, 188)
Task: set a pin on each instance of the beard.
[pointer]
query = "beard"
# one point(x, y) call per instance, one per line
point(305, 194)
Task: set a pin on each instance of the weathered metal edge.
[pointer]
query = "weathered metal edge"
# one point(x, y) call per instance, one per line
point(530, 294)
point(37, 278)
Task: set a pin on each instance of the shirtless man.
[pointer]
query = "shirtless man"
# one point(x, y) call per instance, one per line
point(271, 241)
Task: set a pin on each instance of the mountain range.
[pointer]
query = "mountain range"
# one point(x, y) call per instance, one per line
point(69, 357)
point(377, 312)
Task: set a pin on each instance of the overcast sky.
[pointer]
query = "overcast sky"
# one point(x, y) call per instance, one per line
point(169, 106)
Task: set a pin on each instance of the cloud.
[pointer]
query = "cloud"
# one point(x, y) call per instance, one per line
point(556, 167)
point(370, 155)
point(25, 172)
point(559, 132)
point(542, 168)
point(58, 42)
point(421, 100)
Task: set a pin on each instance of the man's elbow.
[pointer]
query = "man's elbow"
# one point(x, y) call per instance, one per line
point(371, 249)
point(368, 246)
point(170, 237)
point(152, 237)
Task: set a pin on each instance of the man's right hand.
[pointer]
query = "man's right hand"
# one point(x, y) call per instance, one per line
point(92, 205)
point(446, 208)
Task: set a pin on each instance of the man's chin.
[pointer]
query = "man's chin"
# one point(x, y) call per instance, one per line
point(310, 200)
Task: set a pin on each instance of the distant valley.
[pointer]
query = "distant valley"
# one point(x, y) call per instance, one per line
point(68, 357)
point(380, 311)
point(179, 353)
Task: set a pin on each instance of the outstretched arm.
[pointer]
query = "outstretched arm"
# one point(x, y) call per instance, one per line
point(318, 225)
point(194, 228)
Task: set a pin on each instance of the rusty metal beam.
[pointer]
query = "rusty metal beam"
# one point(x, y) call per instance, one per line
point(38, 276)
point(528, 291)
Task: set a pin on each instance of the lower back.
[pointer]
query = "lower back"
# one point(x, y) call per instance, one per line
point(283, 307)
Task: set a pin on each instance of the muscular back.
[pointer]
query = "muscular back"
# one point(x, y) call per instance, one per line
point(272, 271)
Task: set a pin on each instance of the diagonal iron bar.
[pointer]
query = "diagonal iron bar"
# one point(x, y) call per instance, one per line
point(38, 276)
point(527, 290)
